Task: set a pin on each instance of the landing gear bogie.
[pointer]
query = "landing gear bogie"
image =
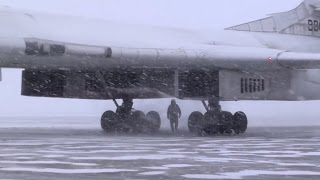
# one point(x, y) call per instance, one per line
point(136, 123)
point(127, 120)
point(215, 121)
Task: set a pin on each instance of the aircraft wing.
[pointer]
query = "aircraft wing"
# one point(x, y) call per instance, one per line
point(37, 53)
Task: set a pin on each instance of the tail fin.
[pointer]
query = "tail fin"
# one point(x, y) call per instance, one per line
point(303, 20)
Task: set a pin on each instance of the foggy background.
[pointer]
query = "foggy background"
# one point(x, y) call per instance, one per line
point(190, 14)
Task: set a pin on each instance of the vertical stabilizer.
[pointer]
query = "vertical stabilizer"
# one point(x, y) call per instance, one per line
point(303, 20)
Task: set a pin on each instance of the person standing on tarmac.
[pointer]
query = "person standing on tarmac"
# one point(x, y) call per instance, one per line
point(173, 114)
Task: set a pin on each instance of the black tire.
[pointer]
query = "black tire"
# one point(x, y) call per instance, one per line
point(240, 122)
point(138, 122)
point(194, 121)
point(108, 121)
point(154, 121)
point(210, 123)
point(226, 122)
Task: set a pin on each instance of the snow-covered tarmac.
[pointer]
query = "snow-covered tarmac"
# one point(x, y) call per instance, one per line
point(262, 153)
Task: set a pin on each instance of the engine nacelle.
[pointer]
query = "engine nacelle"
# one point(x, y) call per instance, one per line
point(120, 83)
point(198, 84)
point(113, 84)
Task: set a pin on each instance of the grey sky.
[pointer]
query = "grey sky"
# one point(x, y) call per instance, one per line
point(179, 13)
point(182, 13)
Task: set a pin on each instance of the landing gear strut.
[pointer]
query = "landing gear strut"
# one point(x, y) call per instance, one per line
point(216, 121)
point(128, 120)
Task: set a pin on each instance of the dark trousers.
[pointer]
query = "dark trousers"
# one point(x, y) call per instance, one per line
point(174, 124)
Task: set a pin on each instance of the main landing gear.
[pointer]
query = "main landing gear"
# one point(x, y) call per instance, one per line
point(216, 121)
point(128, 120)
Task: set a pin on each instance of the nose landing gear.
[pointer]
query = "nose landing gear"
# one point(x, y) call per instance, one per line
point(216, 121)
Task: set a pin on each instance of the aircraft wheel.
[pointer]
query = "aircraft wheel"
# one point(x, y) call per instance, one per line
point(240, 122)
point(138, 122)
point(210, 123)
point(154, 121)
point(108, 121)
point(194, 121)
point(226, 122)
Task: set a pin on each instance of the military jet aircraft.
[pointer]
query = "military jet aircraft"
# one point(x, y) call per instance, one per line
point(275, 58)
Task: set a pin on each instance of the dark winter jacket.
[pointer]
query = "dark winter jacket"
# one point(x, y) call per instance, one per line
point(174, 112)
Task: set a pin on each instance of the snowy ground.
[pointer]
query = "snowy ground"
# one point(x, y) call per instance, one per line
point(55, 153)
